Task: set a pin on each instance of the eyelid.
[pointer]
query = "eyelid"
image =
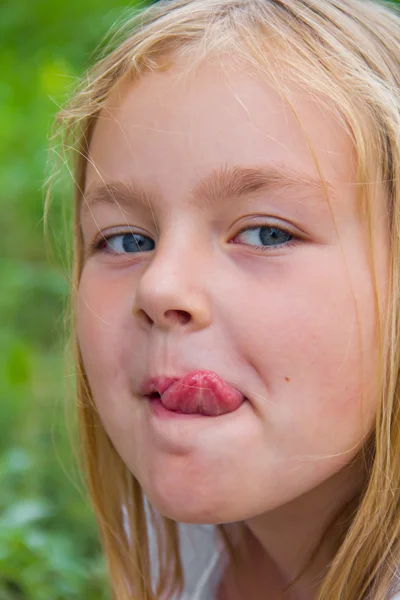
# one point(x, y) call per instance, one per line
point(265, 221)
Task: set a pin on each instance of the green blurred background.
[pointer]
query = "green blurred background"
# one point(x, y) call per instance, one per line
point(49, 548)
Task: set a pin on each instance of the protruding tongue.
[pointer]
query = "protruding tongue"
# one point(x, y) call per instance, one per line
point(202, 392)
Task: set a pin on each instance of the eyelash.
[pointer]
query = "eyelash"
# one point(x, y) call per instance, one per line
point(97, 245)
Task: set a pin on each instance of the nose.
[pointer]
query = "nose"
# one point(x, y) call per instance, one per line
point(172, 292)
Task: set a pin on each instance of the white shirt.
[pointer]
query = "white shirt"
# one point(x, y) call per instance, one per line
point(204, 561)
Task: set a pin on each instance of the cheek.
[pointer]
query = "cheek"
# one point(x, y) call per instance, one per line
point(103, 326)
point(311, 338)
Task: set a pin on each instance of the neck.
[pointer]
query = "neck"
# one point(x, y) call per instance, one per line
point(287, 536)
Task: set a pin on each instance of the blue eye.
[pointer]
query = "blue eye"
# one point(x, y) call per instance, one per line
point(265, 237)
point(126, 243)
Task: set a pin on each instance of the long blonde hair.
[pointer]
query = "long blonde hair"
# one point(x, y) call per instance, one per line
point(347, 52)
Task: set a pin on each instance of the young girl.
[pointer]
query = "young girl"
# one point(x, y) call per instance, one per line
point(237, 269)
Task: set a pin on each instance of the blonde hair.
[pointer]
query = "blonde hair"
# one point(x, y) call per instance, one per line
point(347, 52)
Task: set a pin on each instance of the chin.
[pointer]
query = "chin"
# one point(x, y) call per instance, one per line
point(184, 493)
point(200, 510)
point(200, 517)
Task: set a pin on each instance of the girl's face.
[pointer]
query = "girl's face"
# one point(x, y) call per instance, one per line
point(244, 270)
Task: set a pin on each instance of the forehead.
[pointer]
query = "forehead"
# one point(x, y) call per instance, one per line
point(170, 129)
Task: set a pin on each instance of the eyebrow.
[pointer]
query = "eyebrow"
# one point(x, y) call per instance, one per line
point(221, 183)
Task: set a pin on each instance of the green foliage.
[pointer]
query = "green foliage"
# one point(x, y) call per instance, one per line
point(49, 547)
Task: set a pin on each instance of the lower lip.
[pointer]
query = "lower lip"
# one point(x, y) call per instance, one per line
point(159, 410)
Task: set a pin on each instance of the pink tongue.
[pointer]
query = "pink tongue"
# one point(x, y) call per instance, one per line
point(202, 392)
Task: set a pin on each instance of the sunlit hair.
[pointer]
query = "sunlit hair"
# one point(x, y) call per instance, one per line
point(346, 53)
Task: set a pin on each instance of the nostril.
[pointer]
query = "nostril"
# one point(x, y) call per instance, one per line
point(180, 316)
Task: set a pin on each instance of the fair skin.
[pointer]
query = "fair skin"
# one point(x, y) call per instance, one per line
point(281, 324)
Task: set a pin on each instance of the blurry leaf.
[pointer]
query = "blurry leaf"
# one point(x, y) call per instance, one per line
point(55, 77)
point(25, 512)
point(15, 460)
point(18, 367)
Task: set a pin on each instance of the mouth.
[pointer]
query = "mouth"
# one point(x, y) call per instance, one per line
point(198, 392)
